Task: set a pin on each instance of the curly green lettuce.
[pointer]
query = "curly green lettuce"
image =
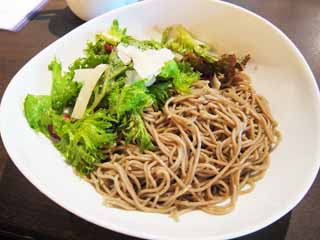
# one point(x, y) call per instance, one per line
point(127, 104)
point(36, 110)
point(64, 91)
point(82, 142)
point(160, 93)
point(131, 98)
point(200, 56)
point(182, 75)
point(178, 39)
point(114, 35)
point(114, 71)
point(89, 61)
point(134, 131)
point(142, 44)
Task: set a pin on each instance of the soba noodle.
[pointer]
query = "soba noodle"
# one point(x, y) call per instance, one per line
point(212, 145)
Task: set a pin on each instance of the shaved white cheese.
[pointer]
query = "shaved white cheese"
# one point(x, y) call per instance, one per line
point(126, 59)
point(82, 75)
point(132, 76)
point(151, 81)
point(147, 63)
point(89, 78)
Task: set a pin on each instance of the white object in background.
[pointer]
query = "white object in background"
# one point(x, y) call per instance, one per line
point(14, 14)
point(281, 75)
point(88, 9)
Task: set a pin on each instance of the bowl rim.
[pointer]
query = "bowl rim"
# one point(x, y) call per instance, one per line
point(114, 227)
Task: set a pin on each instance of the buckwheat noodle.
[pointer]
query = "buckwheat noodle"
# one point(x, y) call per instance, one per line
point(212, 145)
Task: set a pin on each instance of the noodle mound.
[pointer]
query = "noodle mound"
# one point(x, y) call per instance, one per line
point(211, 146)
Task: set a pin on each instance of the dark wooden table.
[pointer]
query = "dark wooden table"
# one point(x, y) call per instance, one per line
point(27, 214)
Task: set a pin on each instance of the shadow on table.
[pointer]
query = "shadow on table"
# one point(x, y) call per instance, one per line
point(61, 21)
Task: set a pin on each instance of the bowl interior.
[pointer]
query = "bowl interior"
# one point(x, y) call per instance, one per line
point(279, 73)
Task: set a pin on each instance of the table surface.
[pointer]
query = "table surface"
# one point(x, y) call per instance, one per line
point(25, 213)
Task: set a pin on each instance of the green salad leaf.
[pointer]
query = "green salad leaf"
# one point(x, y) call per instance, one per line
point(116, 31)
point(64, 91)
point(82, 141)
point(182, 75)
point(127, 104)
point(142, 44)
point(178, 39)
point(95, 48)
point(135, 131)
point(115, 70)
point(186, 78)
point(36, 110)
point(160, 93)
point(132, 98)
point(170, 70)
point(90, 61)
point(40, 115)
point(114, 35)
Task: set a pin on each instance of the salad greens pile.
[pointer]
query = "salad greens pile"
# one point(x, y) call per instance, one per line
point(114, 111)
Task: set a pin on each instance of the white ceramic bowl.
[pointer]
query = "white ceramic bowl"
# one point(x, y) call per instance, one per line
point(88, 9)
point(279, 72)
